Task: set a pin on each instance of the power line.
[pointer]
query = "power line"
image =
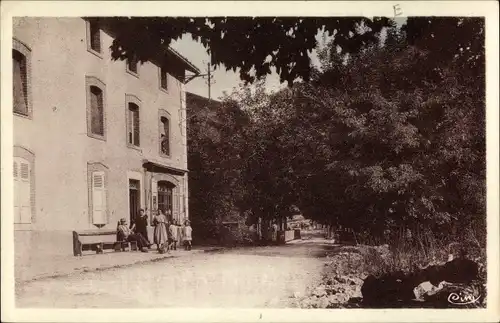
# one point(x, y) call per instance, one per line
point(208, 76)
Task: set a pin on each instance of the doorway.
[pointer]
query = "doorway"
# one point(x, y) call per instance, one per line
point(165, 197)
point(134, 194)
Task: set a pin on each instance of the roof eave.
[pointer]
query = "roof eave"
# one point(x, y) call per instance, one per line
point(187, 64)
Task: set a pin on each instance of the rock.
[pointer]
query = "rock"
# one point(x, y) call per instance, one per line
point(306, 303)
point(297, 295)
point(319, 291)
point(323, 302)
point(341, 279)
point(354, 281)
point(426, 289)
point(396, 287)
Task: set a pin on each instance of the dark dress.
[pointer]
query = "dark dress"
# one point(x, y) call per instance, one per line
point(141, 226)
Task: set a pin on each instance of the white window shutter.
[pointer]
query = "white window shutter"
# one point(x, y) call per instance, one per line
point(24, 191)
point(17, 197)
point(98, 198)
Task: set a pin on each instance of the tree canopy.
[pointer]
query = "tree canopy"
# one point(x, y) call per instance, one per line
point(251, 44)
point(390, 137)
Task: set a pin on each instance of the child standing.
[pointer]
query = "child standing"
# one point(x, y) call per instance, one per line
point(173, 235)
point(188, 235)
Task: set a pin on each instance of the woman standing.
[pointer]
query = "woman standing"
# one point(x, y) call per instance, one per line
point(141, 225)
point(160, 233)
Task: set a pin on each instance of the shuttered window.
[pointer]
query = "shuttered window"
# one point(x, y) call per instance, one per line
point(133, 125)
point(22, 191)
point(19, 85)
point(99, 210)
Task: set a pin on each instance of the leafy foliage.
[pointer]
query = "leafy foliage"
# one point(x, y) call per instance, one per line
point(251, 44)
point(383, 140)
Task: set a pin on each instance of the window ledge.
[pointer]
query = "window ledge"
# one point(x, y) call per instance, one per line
point(96, 53)
point(133, 73)
point(23, 226)
point(25, 116)
point(164, 90)
point(138, 148)
point(95, 136)
point(165, 156)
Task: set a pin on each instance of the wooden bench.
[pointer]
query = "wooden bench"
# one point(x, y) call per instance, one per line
point(98, 241)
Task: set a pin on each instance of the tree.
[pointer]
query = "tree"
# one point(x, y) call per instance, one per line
point(388, 138)
point(214, 131)
point(251, 44)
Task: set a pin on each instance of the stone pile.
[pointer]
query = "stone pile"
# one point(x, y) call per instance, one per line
point(341, 282)
point(332, 293)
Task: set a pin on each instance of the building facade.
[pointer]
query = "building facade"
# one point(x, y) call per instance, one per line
point(95, 139)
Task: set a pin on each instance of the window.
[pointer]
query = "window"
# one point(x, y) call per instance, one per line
point(98, 195)
point(20, 95)
point(21, 56)
point(132, 120)
point(94, 36)
point(96, 114)
point(22, 190)
point(163, 78)
point(132, 65)
point(134, 192)
point(133, 124)
point(165, 136)
point(96, 111)
point(98, 199)
point(165, 197)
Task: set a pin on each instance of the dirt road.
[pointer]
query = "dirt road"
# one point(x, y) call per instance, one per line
point(245, 278)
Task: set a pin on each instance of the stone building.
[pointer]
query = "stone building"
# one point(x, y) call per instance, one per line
point(95, 139)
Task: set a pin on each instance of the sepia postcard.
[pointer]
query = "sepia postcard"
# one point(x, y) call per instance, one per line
point(250, 161)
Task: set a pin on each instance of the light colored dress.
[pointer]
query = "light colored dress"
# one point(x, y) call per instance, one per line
point(160, 233)
point(180, 234)
point(188, 231)
point(173, 232)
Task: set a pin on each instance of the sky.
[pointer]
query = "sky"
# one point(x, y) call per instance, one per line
point(224, 81)
point(227, 81)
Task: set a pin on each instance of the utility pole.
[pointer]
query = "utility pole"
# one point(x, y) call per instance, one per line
point(210, 81)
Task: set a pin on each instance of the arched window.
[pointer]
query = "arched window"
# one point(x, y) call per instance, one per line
point(166, 197)
point(165, 136)
point(96, 109)
point(132, 66)
point(93, 36)
point(19, 83)
point(133, 120)
point(21, 58)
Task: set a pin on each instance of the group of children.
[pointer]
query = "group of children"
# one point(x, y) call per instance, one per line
point(166, 233)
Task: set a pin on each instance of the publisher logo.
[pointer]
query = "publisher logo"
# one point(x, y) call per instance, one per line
point(462, 298)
